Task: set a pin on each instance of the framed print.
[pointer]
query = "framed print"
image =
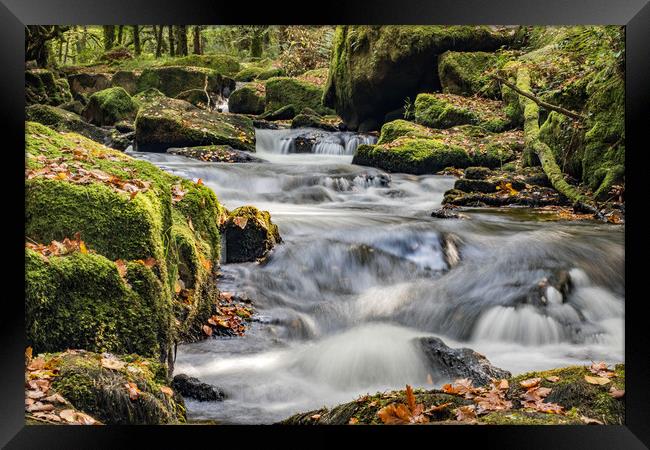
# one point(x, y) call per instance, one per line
point(363, 220)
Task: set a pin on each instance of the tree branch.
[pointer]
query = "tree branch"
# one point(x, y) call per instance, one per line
point(540, 102)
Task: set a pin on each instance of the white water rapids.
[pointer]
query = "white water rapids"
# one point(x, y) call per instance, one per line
point(361, 273)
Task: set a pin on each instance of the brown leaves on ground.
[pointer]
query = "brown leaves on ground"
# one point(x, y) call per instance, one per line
point(534, 397)
point(74, 173)
point(506, 188)
point(41, 403)
point(616, 393)
point(229, 317)
point(466, 413)
point(177, 193)
point(602, 374)
point(60, 248)
point(400, 413)
point(134, 391)
point(485, 399)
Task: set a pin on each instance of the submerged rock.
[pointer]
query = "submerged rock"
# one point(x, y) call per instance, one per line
point(452, 363)
point(194, 388)
point(250, 234)
point(164, 123)
point(215, 153)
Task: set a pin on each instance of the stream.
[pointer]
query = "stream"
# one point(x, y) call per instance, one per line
point(362, 272)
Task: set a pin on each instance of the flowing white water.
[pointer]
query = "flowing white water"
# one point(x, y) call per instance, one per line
point(362, 273)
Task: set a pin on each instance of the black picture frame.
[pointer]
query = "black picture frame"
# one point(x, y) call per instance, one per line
point(633, 14)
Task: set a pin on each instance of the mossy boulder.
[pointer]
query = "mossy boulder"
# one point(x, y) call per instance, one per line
point(41, 86)
point(411, 148)
point(197, 97)
point(163, 123)
point(61, 120)
point(466, 73)
point(287, 112)
point(249, 99)
point(173, 80)
point(84, 380)
point(579, 399)
point(251, 73)
point(311, 120)
point(373, 69)
point(126, 79)
point(250, 234)
point(110, 106)
point(84, 83)
point(283, 91)
point(168, 244)
point(223, 64)
point(448, 110)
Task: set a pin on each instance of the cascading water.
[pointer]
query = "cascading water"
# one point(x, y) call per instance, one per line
point(364, 270)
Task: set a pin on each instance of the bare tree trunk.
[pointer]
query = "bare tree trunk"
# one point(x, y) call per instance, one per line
point(171, 41)
point(65, 55)
point(120, 34)
point(197, 39)
point(136, 40)
point(158, 33)
point(109, 36)
point(181, 40)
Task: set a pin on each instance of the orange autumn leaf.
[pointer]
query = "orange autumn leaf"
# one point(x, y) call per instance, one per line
point(597, 380)
point(207, 330)
point(134, 391)
point(167, 391)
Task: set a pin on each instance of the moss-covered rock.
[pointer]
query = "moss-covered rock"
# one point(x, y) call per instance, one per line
point(283, 91)
point(197, 97)
point(249, 99)
point(448, 110)
point(373, 69)
point(566, 141)
point(579, 399)
point(173, 80)
point(223, 64)
point(83, 379)
point(109, 106)
point(309, 119)
point(169, 245)
point(41, 86)
point(411, 148)
point(61, 120)
point(250, 234)
point(287, 112)
point(126, 79)
point(465, 73)
point(163, 123)
point(251, 73)
point(84, 83)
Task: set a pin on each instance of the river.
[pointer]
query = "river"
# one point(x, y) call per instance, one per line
point(362, 272)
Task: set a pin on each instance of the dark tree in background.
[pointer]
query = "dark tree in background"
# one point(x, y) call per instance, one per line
point(36, 39)
point(196, 34)
point(109, 36)
point(136, 40)
point(172, 50)
point(120, 34)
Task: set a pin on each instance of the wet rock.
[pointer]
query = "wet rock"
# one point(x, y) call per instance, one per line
point(454, 363)
point(194, 388)
point(121, 141)
point(215, 153)
point(450, 244)
point(249, 99)
point(447, 213)
point(477, 173)
point(250, 235)
point(483, 186)
point(87, 83)
point(287, 112)
point(265, 124)
point(125, 79)
point(306, 120)
point(164, 123)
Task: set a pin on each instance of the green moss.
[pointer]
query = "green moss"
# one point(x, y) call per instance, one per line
point(396, 61)
point(567, 142)
point(173, 80)
point(164, 123)
point(464, 73)
point(62, 120)
point(42, 87)
point(446, 110)
point(183, 238)
point(282, 91)
point(109, 106)
point(249, 99)
point(101, 392)
point(80, 301)
point(223, 64)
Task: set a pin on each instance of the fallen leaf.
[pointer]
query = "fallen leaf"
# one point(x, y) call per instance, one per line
point(240, 222)
point(394, 414)
point(597, 380)
point(134, 391)
point(466, 413)
point(590, 421)
point(529, 383)
point(38, 406)
point(616, 393)
point(121, 267)
point(553, 379)
point(69, 415)
point(36, 364)
point(353, 421)
point(112, 363)
point(167, 391)
point(315, 416)
point(207, 330)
